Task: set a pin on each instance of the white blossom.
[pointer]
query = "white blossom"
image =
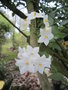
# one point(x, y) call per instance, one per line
point(30, 60)
point(20, 52)
point(34, 15)
point(32, 51)
point(42, 63)
point(45, 20)
point(27, 58)
point(26, 64)
point(46, 36)
point(25, 24)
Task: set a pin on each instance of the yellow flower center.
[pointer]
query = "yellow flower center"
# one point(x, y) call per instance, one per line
point(1, 84)
point(46, 20)
point(27, 63)
point(46, 36)
point(40, 65)
point(34, 13)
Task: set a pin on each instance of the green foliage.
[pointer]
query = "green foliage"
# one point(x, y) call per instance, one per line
point(6, 23)
point(19, 40)
point(4, 27)
point(54, 45)
point(7, 53)
point(44, 53)
point(55, 29)
point(58, 77)
point(58, 20)
point(27, 32)
point(2, 71)
point(57, 33)
point(64, 22)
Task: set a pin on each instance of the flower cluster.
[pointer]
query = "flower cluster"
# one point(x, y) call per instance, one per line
point(46, 33)
point(31, 16)
point(30, 60)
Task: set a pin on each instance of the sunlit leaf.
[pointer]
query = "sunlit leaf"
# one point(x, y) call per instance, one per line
point(1, 84)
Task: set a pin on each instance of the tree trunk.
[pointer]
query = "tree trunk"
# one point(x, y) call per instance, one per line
point(33, 36)
point(34, 43)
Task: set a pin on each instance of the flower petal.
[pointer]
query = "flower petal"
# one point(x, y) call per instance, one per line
point(22, 70)
point(51, 36)
point(36, 49)
point(42, 32)
point(41, 40)
point(46, 42)
point(41, 70)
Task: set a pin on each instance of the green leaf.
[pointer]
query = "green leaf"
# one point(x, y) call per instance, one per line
point(53, 69)
point(52, 14)
point(58, 77)
point(57, 33)
point(65, 30)
point(51, 21)
point(54, 45)
point(44, 53)
point(64, 22)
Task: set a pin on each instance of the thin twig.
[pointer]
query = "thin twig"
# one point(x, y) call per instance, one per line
point(13, 24)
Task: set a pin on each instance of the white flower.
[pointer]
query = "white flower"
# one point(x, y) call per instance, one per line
point(45, 37)
point(25, 24)
point(42, 63)
point(34, 15)
point(27, 58)
point(48, 29)
point(28, 51)
point(45, 30)
point(48, 62)
point(45, 20)
point(47, 68)
point(39, 15)
point(25, 65)
point(20, 52)
point(32, 51)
